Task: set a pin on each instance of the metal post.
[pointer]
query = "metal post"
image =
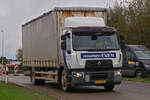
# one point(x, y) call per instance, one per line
point(6, 78)
point(2, 46)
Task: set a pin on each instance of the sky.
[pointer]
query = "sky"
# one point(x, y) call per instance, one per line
point(14, 13)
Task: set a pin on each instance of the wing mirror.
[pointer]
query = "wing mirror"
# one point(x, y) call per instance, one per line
point(63, 37)
point(67, 34)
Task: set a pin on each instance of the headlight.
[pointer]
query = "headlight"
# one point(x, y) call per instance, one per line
point(118, 73)
point(77, 74)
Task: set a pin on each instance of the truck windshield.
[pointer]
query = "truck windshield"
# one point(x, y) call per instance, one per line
point(143, 54)
point(95, 42)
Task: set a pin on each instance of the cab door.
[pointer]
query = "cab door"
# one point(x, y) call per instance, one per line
point(129, 65)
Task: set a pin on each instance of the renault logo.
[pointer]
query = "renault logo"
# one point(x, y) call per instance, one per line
point(99, 63)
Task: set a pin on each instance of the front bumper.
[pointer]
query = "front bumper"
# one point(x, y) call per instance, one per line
point(100, 78)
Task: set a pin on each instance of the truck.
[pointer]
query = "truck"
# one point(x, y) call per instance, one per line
point(72, 46)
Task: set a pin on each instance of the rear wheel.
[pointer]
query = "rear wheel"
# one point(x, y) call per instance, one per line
point(36, 81)
point(109, 87)
point(64, 84)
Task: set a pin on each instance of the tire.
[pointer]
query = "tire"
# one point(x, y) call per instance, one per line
point(109, 88)
point(138, 73)
point(41, 82)
point(64, 84)
point(36, 81)
point(33, 80)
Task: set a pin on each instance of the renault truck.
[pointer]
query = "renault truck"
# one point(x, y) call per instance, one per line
point(72, 46)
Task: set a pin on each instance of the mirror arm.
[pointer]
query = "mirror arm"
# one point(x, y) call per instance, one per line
point(69, 51)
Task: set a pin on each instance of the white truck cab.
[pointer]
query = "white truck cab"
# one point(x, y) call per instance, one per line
point(91, 52)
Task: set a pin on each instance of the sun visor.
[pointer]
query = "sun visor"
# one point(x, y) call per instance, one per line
point(94, 30)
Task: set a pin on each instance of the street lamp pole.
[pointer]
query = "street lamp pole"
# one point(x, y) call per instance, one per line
point(6, 78)
point(2, 47)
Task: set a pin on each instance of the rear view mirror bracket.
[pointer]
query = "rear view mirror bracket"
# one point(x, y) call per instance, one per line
point(67, 34)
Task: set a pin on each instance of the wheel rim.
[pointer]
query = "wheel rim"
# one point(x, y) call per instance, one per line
point(63, 81)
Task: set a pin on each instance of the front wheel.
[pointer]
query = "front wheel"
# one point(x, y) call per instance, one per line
point(64, 84)
point(109, 88)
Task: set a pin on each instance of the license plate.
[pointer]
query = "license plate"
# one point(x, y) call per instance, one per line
point(100, 82)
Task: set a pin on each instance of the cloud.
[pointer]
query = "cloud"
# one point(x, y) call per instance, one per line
point(14, 13)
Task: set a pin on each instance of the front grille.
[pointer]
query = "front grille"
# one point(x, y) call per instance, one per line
point(99, 76)
point(98, 64)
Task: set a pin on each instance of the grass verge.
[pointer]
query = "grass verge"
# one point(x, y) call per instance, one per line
point(14, 92)
point(138, 79)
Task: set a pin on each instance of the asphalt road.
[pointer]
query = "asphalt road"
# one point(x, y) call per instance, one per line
point(125, 91)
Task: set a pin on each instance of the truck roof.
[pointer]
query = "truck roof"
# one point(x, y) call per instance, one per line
point(70, 9)
point(138, 47)
point(79, 9)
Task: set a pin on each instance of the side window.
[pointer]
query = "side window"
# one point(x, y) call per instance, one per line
point(130, 56)
point(68, 44)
